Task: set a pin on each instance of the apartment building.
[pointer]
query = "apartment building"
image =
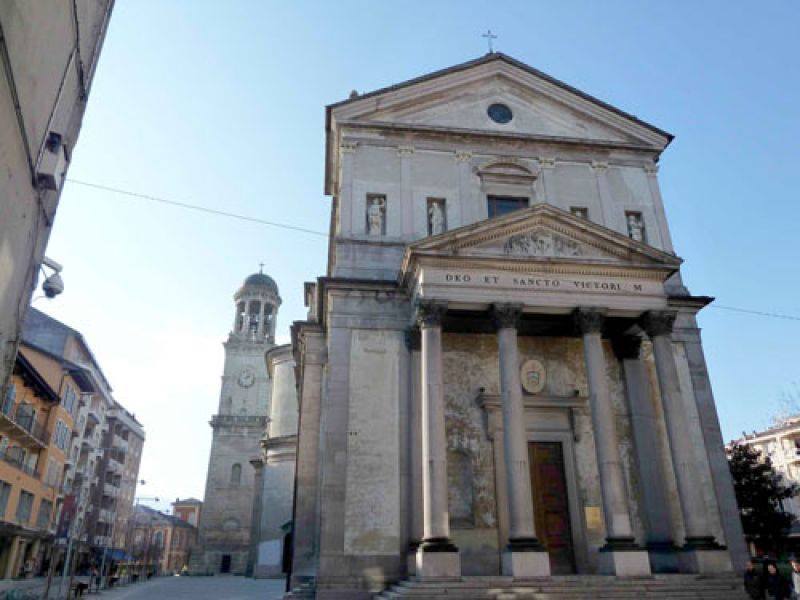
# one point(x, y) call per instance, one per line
point(781, 443)
point(102, 462)
point(161, 542)
point(34, 430)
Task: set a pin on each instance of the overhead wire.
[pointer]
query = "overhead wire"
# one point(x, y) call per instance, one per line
point(214, 211)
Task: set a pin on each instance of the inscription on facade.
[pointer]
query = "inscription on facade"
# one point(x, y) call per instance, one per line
point(542, 282)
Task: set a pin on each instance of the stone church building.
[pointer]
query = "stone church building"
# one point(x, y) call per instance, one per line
point(501, 372)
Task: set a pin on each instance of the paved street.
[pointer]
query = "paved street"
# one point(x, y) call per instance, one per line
point(198, 588)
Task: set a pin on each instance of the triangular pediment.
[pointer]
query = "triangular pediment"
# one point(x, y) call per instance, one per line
point(458, 98)
point(543, 234)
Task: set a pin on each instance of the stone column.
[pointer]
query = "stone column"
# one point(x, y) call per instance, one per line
point(702, 553)
point(620, 555)
point(524, 556)
point(649, 456)
point(437, 555)
point(415, 498)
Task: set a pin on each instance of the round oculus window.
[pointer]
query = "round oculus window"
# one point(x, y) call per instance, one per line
point(500, 113)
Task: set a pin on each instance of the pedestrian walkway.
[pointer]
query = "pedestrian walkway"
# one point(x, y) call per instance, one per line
point(227, 587)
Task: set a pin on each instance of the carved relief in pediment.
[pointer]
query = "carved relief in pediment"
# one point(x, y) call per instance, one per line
point(542, 243)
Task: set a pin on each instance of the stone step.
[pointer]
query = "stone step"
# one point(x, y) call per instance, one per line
point(723, 587)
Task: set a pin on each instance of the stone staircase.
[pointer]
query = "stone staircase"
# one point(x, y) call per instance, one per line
point(583, 587)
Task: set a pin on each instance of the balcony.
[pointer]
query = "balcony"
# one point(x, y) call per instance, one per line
point(93, 415)
point(120, 442)
point(16, 458)
point(110, 490)
point(20, 424)
point(102, 540)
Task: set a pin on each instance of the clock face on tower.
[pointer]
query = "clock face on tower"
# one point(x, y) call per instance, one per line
point(246, 377)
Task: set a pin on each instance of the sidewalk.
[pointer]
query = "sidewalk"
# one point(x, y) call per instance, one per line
point(28, 589)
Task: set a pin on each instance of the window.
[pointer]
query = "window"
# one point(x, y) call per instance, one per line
point(502, 205)
point(45, 513)
point(69, 399)
point(61, 435)
point(24, 507)
point(579, 211)
point(635, 224)
point(8, 401)
point(5, 492)
point(437, 216)
point(159, 539)
point(500, 113)
point(236, 474)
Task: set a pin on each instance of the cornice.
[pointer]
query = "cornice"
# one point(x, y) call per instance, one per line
point(463, 133)
point(547, 265)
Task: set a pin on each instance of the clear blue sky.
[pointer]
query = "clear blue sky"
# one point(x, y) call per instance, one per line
point(221, 104)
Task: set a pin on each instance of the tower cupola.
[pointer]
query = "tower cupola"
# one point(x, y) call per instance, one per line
point(257, 303)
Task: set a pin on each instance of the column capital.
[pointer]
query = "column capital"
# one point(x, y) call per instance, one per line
point(627, 347)
point(429, 313)
point(589, 320)
point(506, 315)
point(658, 322)
point(413, 339)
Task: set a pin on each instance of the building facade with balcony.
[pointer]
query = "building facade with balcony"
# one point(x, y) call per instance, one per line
point(104, 440)
point(781, 443)
point(34, 431)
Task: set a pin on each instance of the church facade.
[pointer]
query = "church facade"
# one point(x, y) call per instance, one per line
point(501, 372)
point(226, 521)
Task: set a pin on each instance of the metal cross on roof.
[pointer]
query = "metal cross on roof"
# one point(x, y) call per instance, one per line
point(489, 37)
point(261, 267)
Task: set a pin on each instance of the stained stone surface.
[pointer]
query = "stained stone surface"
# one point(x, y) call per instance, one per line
point(372, 514)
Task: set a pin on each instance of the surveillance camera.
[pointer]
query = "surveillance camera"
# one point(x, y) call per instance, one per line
point(53, 285)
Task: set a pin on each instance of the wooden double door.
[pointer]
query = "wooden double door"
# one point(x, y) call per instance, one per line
point(551, 504)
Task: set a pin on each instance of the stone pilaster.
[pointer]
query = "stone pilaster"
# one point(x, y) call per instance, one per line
point(701, 550)
point(437, 555)
point(620, 555)
point(525, 556)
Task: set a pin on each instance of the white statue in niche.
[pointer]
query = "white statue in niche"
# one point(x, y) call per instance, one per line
point(635, 227)
point(436, 218)
point(375, 214)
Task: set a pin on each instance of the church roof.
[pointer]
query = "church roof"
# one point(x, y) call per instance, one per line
point(487, 58)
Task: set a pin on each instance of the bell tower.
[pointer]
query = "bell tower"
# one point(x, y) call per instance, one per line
point(238, 426)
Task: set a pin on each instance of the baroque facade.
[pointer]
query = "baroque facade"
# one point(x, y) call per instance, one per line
point(227, 515)
point(501, 372)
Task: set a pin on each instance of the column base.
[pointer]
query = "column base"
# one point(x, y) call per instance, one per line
point(624, 558)
point(526, 564)
point(411, 558)
point(664, 557)
point(438, 559)
point(704, 555)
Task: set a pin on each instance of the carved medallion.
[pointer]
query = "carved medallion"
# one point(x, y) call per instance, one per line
point(541, 243)
point(532, 376)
